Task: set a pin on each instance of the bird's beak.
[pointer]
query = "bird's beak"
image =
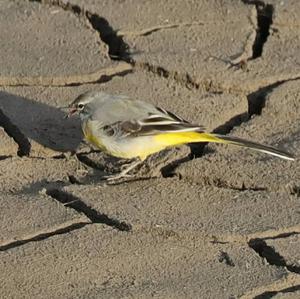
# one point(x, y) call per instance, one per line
point(72, 111)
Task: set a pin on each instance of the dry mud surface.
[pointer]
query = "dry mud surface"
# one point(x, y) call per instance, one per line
point(201, 221)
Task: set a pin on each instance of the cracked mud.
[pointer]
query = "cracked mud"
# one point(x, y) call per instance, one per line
point(201, 221)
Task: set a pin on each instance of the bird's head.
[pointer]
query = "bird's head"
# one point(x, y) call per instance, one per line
point(84, 104)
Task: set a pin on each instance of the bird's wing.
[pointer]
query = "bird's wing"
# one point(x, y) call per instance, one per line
point(157, 121)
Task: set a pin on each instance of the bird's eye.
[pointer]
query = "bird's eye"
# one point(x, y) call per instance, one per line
point(80, 106)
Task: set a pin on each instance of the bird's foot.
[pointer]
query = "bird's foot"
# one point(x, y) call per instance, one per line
point(123, 173)
point(116, 177)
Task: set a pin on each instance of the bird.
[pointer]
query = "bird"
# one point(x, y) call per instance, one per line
point(133, 129)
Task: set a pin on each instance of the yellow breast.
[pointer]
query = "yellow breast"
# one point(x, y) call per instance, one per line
point(90, 136)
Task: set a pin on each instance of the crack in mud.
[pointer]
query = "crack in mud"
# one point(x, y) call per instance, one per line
point(257, 99)
point(14, 132)
point(148, 31)
point(269, 253)
point(205, 84)
point(274, 234)
point(44, 236)
point(233, 122)
point(275, 259)
point(78, 205)
point(100, 76)
point(270, 294)
point(256, 103)
point(183, 79)
point(117, 48)
point(264, 22)
point(218, 183)
point(282, 235)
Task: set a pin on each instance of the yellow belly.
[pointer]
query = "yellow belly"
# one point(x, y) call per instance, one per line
point(90, 137)
point(142, 146)
point(127, 149)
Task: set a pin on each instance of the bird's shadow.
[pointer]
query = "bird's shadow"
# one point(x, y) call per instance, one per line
point(40, 122)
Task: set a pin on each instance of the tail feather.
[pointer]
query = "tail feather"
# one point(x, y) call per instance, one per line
point(180, 137)
point(250, 144)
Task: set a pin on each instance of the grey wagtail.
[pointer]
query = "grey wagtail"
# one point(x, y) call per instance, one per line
point(128, 128)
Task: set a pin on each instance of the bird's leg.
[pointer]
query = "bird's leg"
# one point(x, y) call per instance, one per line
point(124, 172)
point(131, 166)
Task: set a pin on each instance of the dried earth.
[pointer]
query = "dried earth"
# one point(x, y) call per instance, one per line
point(201, 221)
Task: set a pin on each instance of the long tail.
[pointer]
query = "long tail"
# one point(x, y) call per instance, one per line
point(208, 137)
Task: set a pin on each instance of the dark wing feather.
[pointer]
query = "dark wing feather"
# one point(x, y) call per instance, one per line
point(171, 115)
point(162, 122)
point(166, 122)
